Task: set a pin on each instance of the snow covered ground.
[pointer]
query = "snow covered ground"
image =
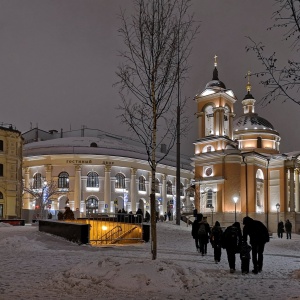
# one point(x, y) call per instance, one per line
point(36, 265)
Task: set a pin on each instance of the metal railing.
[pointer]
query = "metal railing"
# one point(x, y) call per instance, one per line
point(108, 229)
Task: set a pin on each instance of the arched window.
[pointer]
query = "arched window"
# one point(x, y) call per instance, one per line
point(142, 184)
point(226, 120)
point(1, 195)
point(209, 198)
point(94, 145)
point(120, 181)
point(63, 180)
point(260, 189)
point(209, 120)
point(259, 143)
point(169, 188)
point(181, 189)
point(157, 189)
point(37, 181)
point(91, 205)
point(92, 179)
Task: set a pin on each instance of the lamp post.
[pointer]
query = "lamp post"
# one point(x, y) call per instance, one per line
point(277, 207)
point(212, 215)
point(235, 199)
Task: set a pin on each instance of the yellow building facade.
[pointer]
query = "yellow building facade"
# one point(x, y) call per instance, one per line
point(11, 144)
point(238, 167)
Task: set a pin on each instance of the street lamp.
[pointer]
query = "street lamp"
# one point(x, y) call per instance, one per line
point(235, 200)
point(212, 215)
point(277, 207)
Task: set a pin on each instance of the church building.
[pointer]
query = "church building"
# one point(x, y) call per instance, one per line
point(239, 170)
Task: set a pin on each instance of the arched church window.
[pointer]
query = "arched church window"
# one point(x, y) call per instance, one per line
point(63, 180)
point(209, 120)
point(92, 179)
point(142, 184)
point(259, 189)
point(259, 142)
point(209, 198)
point(120, 181)
point(226, 120)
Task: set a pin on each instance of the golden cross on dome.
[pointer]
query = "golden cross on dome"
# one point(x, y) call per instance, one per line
point(215, 57)
point(248, 87)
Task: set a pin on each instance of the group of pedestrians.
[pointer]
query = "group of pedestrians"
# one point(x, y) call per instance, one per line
point(287, 227)
point(234, 241)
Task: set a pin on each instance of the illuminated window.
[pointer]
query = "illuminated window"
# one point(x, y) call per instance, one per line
point(157, 190)
point(91, 205)
point(209, 198)
point(92, 179)
point(169, 188)
point(37, 181)
point(142, 184)
point(120, 181)
point(181, 189)
point(63, 180)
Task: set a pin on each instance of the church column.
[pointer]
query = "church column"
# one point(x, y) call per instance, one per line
point(231, 116)
point(164, 194)
point(26, 201)
point(133, 190)
point(297, 204)
point(107, 189)
point(216, 122)
point(292, 189)
point(48, 173)
point(77, 187)
point(201, 134)
point(287, 204)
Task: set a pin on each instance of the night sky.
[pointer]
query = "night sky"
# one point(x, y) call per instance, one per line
point(58, 60)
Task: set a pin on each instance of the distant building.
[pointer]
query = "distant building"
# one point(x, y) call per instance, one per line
point(11, 144)
point(99, 172)
point(238, 159)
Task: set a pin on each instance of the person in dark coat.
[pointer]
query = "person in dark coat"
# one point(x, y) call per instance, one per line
point(245, 257)
point(288, 229)
point(216, 241)
point(231, 241)
point(280, 229)
point(203, 238)
point(259, 236)
point(195, 228)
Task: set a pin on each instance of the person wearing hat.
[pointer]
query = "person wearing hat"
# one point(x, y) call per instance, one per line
point(259, 236)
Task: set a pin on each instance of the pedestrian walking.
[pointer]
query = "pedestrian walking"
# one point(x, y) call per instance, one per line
point(195, 228)
point(203, 235)
point(231, 241)
point(216, 241)
point(288, 229)
point(259, 236)
point(280, 229)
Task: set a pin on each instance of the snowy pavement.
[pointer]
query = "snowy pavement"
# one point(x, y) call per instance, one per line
point(36, 265)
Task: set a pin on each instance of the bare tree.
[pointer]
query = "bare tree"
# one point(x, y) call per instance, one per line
point(281, 80)
point(43, 195)
point(157, 41)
